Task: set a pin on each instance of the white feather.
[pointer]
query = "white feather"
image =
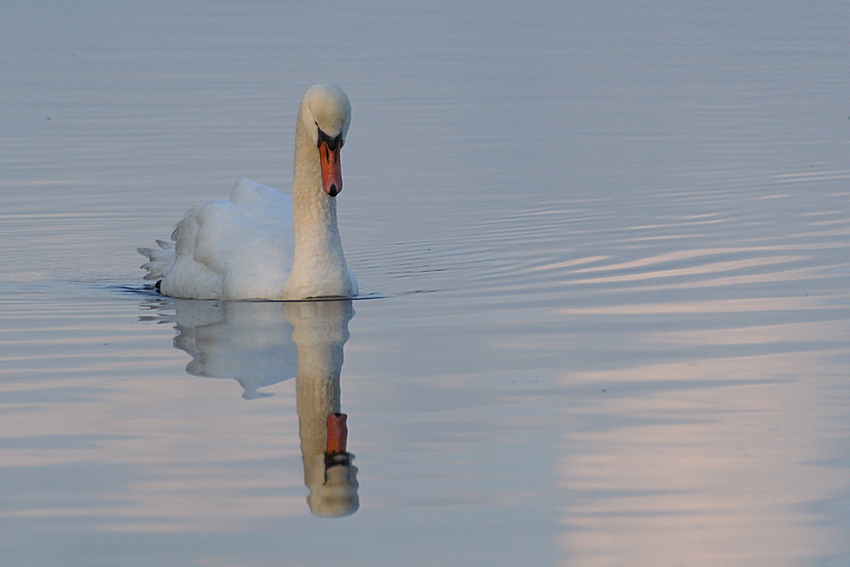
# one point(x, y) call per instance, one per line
point(261, 243)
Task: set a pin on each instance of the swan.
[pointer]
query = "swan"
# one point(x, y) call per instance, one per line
point(262, 243)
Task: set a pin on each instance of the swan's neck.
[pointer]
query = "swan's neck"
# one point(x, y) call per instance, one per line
point(318, 267)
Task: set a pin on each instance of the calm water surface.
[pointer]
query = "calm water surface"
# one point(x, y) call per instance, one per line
point(606, 287)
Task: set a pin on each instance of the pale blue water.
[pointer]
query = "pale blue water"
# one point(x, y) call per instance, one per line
point(604, 253)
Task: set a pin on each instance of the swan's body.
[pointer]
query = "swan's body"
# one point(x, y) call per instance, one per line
point(263, 244)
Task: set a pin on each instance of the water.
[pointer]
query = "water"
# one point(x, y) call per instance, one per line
point(603, 250)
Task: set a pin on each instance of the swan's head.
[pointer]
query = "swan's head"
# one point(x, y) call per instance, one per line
point(326, 114)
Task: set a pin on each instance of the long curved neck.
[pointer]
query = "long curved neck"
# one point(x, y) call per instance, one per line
point(318, 267)
point(314, 212)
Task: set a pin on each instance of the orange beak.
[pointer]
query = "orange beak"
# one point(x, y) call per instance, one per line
point(337, 433)
point(331, 168)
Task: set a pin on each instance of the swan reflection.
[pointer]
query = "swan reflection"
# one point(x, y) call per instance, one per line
point(320, 329)
point(263, 343)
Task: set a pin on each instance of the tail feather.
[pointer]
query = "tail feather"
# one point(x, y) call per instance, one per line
point(159, 260)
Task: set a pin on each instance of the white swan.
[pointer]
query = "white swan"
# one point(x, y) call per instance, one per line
point(263, 244)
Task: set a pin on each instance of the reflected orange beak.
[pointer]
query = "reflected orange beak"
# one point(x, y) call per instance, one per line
point(337, 433)
point(331, 168)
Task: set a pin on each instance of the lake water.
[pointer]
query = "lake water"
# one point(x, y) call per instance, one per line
point(603, 248)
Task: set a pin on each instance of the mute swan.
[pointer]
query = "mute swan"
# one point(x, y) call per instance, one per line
point(263, 244)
